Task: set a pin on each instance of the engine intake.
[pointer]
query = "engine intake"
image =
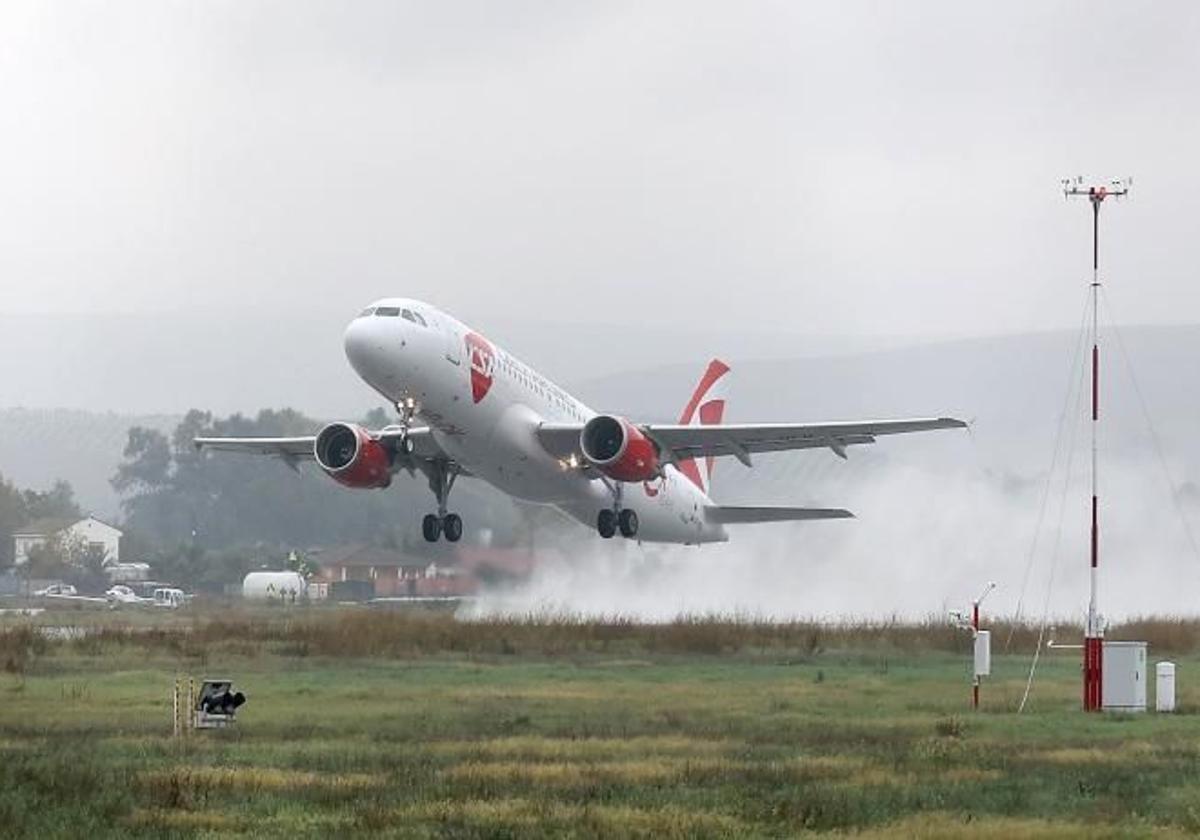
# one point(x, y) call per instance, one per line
point(350, 456)
point(618, 449)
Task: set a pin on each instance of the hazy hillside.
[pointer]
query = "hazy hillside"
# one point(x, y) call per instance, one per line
point(937, 514)
point(1013, 388)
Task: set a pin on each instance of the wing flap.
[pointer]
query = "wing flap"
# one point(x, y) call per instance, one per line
point(732, 438)
point(726, 515)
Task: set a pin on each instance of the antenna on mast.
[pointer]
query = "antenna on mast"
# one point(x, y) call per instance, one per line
point(1093, 643)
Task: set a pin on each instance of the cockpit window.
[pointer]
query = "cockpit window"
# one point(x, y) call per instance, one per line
point(420, 320)
point(370, 310)
point(387, 311)
point(415, 317)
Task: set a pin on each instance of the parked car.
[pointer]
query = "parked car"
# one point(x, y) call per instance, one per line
point(56, 589)
point(122, 594)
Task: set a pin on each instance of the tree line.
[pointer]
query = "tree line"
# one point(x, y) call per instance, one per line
point(208, 517)
point(21, 508)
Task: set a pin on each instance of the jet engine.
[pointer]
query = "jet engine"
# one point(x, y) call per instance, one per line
point(350, 456)
point(618, 449)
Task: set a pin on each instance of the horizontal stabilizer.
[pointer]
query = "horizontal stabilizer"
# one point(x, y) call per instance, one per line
point(739, 515)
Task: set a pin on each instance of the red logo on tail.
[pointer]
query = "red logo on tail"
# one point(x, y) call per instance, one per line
point(483, 363)
point(705, 408)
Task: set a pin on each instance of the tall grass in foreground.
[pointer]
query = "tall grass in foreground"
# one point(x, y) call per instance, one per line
point(417, 633)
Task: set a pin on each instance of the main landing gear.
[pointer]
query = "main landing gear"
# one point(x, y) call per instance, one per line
point(433, 526)
point(610, 520)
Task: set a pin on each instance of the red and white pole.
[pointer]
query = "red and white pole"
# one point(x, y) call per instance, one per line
point(975, 633)
point(1093, 643)
point(1093, 636)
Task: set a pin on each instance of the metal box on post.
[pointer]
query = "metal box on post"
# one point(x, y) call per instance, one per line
point(1124, 671)
point(983, 653)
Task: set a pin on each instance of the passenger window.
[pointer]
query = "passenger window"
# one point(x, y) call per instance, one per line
point(388, 311)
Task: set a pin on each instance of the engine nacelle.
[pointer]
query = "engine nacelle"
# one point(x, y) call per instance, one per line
point(618, 449)
point(352, 457)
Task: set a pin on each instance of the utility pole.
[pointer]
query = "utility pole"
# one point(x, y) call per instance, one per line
point(1093, 642)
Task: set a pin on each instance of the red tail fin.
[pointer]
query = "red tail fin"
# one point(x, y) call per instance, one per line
point(705, 408)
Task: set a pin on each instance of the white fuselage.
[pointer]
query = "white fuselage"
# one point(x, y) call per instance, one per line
point(484, 407)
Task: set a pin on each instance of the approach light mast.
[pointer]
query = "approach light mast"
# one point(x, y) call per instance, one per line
point(1093, 642)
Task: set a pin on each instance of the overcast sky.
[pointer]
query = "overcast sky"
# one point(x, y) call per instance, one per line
point(868, 169)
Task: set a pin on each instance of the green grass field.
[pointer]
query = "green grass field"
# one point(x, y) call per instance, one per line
point(424, 726)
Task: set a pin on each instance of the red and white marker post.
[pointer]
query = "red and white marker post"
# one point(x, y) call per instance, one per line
point(983, 648)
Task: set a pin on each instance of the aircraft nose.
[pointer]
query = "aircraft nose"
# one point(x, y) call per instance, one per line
point(364, 346)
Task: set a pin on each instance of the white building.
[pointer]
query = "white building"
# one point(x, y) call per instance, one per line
point(126, 572)
point(91, 532)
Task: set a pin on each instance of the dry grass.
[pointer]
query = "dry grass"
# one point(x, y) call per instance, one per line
point(253, 780)
point(174, 820)
point(413, 633)
point(364, 633)
point(936, 826)
point(502, 816)
point(535, 748)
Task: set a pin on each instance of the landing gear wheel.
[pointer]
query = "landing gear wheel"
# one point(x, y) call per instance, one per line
point(606, 523)
point(431, 527)
point(452, 526)
point(628, 520)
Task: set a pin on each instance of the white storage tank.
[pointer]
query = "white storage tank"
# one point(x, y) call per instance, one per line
point(1124, 677)
point(1164, 687)
point(284, 587)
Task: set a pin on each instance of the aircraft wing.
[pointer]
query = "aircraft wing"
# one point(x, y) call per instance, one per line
point(743, 515)
point(741, 440)
point(300, 448)
point(297, 448)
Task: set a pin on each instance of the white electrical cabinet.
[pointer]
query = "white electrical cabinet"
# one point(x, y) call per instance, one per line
point(1124, 677)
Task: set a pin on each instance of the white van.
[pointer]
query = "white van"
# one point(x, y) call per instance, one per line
point(169, 597)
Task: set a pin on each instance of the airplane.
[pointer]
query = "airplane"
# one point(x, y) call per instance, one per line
point(468, 408)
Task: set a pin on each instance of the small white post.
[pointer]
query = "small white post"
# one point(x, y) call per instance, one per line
point(1164, 694)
